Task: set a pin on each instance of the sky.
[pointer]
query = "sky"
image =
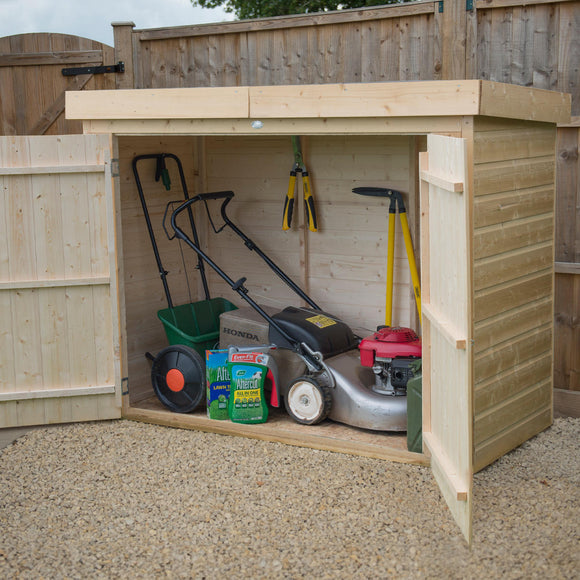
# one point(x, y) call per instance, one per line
point(92, 18)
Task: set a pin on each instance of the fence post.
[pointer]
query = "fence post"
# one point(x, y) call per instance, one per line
point(453, 38)
point(123, 35)
point(471, 70)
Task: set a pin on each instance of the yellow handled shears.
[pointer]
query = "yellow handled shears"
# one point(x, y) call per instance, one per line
point(308, 197)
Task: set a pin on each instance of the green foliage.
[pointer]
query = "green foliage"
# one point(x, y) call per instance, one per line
point(244, 9)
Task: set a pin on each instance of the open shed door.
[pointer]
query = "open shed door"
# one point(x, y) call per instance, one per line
point(446, 310)
point(59, 322)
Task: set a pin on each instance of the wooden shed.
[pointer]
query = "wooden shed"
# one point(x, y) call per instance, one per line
point(79, 290)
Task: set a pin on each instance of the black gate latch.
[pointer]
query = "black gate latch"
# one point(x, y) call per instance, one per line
point(94, 70)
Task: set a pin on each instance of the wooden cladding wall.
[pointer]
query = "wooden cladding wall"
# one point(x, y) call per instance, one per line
point(343, 265)
point(512, 279)
point(33, 85)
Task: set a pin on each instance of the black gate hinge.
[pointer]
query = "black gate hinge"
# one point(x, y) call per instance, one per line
point(94, 70)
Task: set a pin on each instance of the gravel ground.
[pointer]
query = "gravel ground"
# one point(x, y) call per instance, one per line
point(129, 500)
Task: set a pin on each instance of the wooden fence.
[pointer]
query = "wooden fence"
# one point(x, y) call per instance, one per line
point(525, 42)
point(532, 43)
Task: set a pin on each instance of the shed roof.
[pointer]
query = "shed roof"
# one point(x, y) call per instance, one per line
point(392, 100)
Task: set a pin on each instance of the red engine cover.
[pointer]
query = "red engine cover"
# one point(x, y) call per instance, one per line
point(389, 342)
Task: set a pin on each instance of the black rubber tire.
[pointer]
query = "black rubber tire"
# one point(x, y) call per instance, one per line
point(307, 401)
point(187, 367)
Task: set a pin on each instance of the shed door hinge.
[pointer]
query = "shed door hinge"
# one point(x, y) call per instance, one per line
point(94, 70)
point(115, 171)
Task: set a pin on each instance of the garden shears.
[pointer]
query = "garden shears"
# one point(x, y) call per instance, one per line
point(308, 198)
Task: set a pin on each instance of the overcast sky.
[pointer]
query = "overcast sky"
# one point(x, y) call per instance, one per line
point(92, 18)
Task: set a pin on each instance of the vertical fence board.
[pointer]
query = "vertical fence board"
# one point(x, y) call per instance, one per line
point(569, 52)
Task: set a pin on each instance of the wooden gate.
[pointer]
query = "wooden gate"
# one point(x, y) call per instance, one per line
point(447, 352)
point(33, 86)
point(59, 321)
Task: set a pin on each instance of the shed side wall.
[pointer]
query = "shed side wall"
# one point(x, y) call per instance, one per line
point(513, 279)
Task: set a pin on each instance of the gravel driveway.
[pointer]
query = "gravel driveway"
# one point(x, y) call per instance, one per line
point(129, 500)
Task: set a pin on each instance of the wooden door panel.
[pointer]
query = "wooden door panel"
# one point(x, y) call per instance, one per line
point(58, 309)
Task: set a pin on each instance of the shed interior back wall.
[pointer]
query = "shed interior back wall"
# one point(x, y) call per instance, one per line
point(342, 266)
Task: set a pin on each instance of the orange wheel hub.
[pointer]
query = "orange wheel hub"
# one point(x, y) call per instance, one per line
point(175, 380)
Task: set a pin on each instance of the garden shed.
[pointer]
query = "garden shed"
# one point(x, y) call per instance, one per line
point(475, 160)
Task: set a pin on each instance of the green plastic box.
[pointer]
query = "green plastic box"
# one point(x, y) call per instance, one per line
point(196, 325)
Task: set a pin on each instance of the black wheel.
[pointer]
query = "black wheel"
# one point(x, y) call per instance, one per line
point(178, 378)
point(307, 401)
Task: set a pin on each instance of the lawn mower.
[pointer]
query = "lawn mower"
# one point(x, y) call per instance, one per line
point(325, 368)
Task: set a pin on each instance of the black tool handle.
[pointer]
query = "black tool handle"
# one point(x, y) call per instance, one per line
point(373, 191)
point(396, 196)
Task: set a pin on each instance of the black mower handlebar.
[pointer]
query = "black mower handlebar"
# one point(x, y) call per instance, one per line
point(225, 195)
point(238, 286)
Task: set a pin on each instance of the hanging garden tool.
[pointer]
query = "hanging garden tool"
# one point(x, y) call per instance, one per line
point(396, 201)
point(308, 198)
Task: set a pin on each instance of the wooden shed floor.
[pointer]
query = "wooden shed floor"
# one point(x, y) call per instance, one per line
point(328, 435)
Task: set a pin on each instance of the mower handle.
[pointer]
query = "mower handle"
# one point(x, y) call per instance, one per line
point(225, 195)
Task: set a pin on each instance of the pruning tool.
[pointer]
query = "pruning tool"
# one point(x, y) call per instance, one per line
point(396, 202)
point(308, 198)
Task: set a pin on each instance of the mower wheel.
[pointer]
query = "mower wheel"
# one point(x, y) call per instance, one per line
point(307, 401)
point(178, 378)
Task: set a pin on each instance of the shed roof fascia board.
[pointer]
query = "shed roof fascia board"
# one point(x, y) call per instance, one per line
point(318, 126)
point(526, 103)
point(395, 99)
point(356, 100)
point(198, 103)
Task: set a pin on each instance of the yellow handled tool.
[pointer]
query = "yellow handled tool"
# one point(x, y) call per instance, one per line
point(307, 191)
point(396, 203)
point(289, 202)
